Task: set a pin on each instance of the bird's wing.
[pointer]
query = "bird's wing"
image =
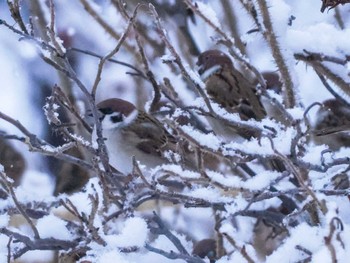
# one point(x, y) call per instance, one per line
point(155, 139)
point(236, 94)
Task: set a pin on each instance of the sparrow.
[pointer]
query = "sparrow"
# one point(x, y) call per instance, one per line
point(228, 87)
point(274, 91)
point(12, 160)
point(178, 15)
point(206, 248)
point(332, 125)
point(70, 178)
point(131, 132)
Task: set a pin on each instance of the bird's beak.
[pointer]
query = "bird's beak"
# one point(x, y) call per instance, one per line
point(89, 113)
point(100, 114)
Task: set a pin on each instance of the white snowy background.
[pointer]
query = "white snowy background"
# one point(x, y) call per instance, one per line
point(24, 76)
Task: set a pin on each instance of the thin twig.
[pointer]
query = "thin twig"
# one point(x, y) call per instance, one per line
point(149, 73)
point(40, 43)
point(90, 224)
point(114, 51)
point(90, 53)
point(64, 101)
point(38, 244)
point(33, 140)
point(19, 206)
point(315, 60)
point(328, 239)
point(271, 38)
point(9, 249)
point(99, 19)
point(162, 229)
point(37, 145)
point(228, 43)
point(51, 30)
point(199, 86)
point(173, 255)
point(241, 250)
point(14, 7)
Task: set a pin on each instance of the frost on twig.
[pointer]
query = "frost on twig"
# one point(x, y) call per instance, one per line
point(250, 197)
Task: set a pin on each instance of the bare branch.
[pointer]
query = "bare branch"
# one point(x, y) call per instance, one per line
point(113, 52)
point(18, 205)
point(38, 244)
point(198, 86)
point(90, 53)
point(271, 38)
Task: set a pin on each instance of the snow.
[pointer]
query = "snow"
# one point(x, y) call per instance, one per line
point(26, 80)
point(303, 236)
point(208, 140)
point(176, 169)
point(112, 256)
point(319, 38)
point(208, 12)
point(261, 180)
point(31, 182)
point(211, 195)
point(134, 233)
point(52, 227)
point(4, 220)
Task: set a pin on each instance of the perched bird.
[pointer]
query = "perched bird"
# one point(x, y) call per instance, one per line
point(206, 248)
point(228, 87)
point(332, 125)
point(274, 90)
point(12, 160)
point(273, 81)
point(131, 132)
point(70, 177)
point(177, 15)
point(267, 237)
point(234, 92)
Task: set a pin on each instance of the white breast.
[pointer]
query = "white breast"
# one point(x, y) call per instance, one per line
point(122, 148)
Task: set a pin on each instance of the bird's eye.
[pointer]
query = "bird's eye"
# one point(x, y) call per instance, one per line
point(106, 111)
point(117, 118)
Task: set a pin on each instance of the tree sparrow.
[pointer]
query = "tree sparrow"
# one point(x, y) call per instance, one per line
point(131, 132)
point(12, 160)
point(235, 93)
point(332, 125)
point(228, 87)
point(205, 248)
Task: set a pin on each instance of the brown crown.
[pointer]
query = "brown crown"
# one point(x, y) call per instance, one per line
point(116, 105)
point(211, 58)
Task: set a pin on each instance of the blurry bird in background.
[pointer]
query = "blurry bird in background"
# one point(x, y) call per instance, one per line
point(273, 81)
point(70, 177)
point(236, 93)
point(12, 160)
point(205, 248)
point(175, 12)
point(228, 87)
point(332, 126)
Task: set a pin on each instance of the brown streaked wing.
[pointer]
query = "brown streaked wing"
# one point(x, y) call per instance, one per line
point(236, 94)
point(155, 138)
